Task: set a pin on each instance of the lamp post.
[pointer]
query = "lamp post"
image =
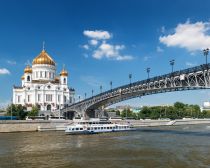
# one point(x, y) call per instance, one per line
point(85, 95)
point(11, 110)
point(172, 62)
point(148, 71)
point(205, 53)
point(130, 76)
point(92, 92)
point(110, 85)
point(79, 98)
point(101, 89)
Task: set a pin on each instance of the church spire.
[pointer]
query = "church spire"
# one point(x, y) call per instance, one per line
point(43, 46)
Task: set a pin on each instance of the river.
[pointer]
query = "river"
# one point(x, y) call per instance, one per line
point(153, 147)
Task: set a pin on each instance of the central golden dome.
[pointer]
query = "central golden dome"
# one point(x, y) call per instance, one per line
point(43, 58)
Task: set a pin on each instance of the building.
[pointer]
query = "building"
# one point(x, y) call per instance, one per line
point(41, 86)
point(206, 106)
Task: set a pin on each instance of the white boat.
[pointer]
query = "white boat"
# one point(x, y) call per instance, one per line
point(96, 126)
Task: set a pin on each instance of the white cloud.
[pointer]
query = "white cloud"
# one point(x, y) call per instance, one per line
point(93, 42)
point(190, 64)
point(4, 71)
point(11, 62)
point(109, 51)
point(191, 36)
point(159, 49)
point(146, 58)
point(100, 48)
point(163, 29)
point(85, 47)
point(97, 34)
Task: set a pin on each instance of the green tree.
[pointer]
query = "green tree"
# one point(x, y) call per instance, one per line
point(34, 111)
point(16, 110)
point(127, 113)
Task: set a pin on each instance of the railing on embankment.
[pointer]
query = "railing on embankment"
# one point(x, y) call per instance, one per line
point(32, 125)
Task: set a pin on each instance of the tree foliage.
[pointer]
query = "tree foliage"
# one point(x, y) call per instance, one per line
point(34, 111)
point(177, 111)
point(16, 110)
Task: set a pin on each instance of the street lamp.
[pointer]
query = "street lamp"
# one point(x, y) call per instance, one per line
point(148, 71)
point(172, 62)
point(11, 108)
point(92, 92)
point(130, 76)
point(101, 88)
point(205, 53)
point(110, 85)
point(85, 95)
point(79, 98)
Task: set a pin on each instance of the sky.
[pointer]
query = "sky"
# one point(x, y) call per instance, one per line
point(105, 40)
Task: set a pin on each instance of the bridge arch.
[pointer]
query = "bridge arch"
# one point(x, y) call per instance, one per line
point(189, 79)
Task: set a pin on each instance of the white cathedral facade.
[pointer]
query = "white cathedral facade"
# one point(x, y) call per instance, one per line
point(42, 87)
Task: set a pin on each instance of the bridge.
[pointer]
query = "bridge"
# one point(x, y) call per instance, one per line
point(188, 79)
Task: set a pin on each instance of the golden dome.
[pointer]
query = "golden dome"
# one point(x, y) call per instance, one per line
point(57, 78)
point(43, 58)
point(23, 77)
point(28, 69)
point(64, 73)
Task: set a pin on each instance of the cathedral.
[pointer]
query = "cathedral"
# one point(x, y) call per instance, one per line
point(41, 86)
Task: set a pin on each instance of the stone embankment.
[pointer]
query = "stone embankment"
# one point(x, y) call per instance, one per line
point(153, 123)
point(31, 125)
point(47, 125)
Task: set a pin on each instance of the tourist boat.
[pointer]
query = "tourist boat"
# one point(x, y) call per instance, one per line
point(96, 126)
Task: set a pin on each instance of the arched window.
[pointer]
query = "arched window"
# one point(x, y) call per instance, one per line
point(64, 80)
point(49, 107)
point(39, 107)
point(28, 78)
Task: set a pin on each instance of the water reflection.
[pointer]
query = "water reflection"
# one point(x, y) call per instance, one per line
point(175, 147)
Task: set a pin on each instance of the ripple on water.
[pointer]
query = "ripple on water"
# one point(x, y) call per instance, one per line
point(171, 147)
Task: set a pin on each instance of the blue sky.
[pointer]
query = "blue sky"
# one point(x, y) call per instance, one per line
point(100, 41)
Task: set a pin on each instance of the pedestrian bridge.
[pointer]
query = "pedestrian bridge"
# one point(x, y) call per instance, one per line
point(188, 79)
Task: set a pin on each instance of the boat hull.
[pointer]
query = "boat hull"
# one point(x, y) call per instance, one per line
point(85, 132)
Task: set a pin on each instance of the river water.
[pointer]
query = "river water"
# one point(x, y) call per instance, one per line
point(154, 147)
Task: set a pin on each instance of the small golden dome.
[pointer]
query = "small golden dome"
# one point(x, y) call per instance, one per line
point(64, 73)
point(28, 69)
point(57, 78)
point(23, 77)
point(43, 58)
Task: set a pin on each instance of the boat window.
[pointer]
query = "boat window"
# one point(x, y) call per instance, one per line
point(77, 128)
point(88, 128)
point(89, 123)
point(107, 127)
point(95, 128)
point(72, 129)
point(81, 128)
point(99, 128)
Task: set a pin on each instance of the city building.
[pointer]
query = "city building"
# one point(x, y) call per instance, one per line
point(41, 86)
point(206, 106)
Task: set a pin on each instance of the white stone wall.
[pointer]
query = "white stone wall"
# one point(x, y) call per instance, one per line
point(43, 72)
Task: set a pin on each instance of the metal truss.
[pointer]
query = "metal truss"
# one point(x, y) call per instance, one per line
point(188, 79)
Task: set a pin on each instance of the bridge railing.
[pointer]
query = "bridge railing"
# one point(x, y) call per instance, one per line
point(153, 79)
